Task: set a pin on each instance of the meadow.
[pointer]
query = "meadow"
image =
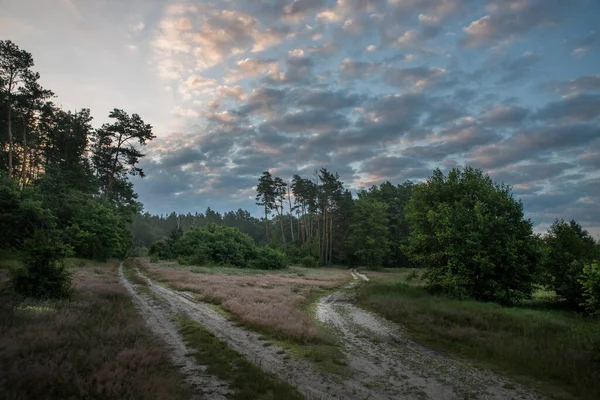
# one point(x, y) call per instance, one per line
point(555, 351)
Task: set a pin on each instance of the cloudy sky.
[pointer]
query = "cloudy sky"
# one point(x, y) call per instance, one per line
point(373, 89)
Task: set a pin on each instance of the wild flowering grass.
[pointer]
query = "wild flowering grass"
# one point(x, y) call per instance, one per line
point(272, 301)
point(94, 346)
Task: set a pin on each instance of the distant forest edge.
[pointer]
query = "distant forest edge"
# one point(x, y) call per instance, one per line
point(65, 191)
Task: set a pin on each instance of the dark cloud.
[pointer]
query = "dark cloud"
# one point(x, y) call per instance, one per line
point(357, 69)
point(180, 157)
point(300, 8)
point(518, 68)
point(310, 121)
point(577, 108)
point(298, 71)
point(454, 141)
point(330, 100)
point(385, 167)
point(580, 47)
point(530, 174)
point(414, 77)
point(264, 100)
point(504, 115)
point(509, 19)
point(583, 84)
point(534, 142)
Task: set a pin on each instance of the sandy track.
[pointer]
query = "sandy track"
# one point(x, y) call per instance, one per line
point(311, 383)
point(382, 356)
point(383, 362)
point(204, 385)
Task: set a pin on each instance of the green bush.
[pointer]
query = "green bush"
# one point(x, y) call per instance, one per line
point(42, 274)
point(591, 288)
point(215, 244)
point(471, 235)
point(161, 249)
point(309, 262)
point(267, 258)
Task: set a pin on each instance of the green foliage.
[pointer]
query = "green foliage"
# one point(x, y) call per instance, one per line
point(310, 262)
point(42, 274)
point(99, 232)
point(396, 198)
point(569, 249)
point(470, 234)
point(214, 244)
point(267, 258)
point(369, 232)
point(590, 280)
point(21, 213)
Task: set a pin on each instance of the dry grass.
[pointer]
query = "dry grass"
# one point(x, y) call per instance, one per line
point(271, 301)
point(94, 346)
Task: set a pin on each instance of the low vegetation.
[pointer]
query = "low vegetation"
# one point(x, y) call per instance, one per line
point(248, 381)
point(274, 303)
point(271, 302)
point(94, 346)
point(560, 350)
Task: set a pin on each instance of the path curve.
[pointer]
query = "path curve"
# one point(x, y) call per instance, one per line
point(381, 354)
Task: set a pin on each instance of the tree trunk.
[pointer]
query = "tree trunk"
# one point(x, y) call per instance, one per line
point(10, 138)
point(281, 225)
point(114, 168)
point(324, 247)
point(289, 193)
point(330, 236)
point(318, 233)
point(25, 153)
point(267, 224)
point(298, 226)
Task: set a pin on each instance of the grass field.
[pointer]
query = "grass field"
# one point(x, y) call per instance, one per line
point(93, 346)
point(535, 342)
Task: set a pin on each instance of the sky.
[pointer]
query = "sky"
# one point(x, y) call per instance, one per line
point(372, 89)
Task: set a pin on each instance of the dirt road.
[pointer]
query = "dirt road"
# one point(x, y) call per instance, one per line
point(383, 362)
point(203, 385)
point(382, 356)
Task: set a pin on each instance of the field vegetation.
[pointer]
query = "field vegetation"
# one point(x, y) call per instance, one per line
point(538, 341)
point(275, 303)
point(93, 346)
point(272, 302)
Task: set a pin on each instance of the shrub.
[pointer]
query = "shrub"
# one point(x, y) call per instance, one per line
point(267, 258)
point(42, 274)
point(222, 245)
point(591, 288)
point(309, 262)
point(161, 249)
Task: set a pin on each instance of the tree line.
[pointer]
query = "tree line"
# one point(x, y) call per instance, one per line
point(64, 185)
point(467, 233)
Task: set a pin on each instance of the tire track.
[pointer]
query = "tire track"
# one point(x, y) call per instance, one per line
point(204, 385)
point(311, 383)
point(382, 354)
